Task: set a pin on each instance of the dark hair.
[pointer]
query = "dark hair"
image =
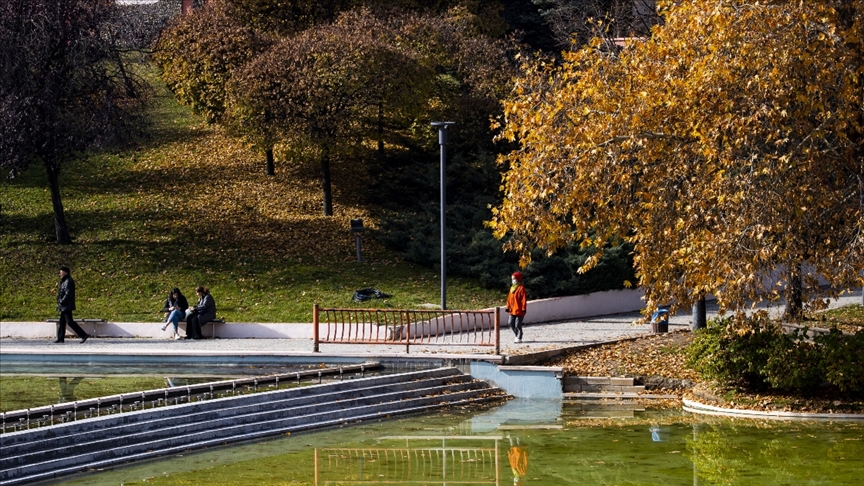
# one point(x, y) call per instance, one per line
point(202, 289)
point(176, 290)
point(65, 269)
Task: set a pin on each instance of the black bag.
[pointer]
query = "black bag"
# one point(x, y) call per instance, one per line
point(363, 295)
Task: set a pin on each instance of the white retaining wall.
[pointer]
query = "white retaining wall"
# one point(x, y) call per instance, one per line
point(543, 310)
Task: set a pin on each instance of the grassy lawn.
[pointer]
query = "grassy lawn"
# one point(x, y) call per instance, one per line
point(192, 206)
point(848, 318)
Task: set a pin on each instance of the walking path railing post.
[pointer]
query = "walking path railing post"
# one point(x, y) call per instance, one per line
point(407, 331)
point(315, 327)
point(497, 330)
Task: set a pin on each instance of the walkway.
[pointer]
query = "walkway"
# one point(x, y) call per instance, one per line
point(538, 337)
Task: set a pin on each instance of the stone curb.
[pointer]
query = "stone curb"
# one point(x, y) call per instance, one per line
point(701, 408)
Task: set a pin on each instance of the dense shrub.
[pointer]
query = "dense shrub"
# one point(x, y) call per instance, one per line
point(734, 352)
point(793, 363)
point(842, 360)
point(753, 353)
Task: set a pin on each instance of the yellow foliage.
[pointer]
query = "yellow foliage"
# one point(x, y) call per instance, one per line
point(728, 146)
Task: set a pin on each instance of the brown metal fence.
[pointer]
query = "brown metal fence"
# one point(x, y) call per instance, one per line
point(407, 327)
point(443, 465)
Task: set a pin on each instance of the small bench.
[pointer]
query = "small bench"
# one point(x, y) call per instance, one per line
point(80, 322)
point(203, 324)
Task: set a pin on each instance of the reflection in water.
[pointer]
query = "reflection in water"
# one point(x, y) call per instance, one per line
point(736, 452)
point(518, 457)
point(67, 388)
point(474, 448)
point(412, 460)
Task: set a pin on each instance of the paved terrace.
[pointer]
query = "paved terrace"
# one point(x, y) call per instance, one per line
point(539, 338)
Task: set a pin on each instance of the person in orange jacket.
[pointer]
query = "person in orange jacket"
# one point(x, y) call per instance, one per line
point(517, 304)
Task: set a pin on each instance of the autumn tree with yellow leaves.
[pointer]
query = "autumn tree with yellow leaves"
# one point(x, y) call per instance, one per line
point(727, 147)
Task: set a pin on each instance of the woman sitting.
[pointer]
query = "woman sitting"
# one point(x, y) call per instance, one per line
point(176, 306)
point(201, 314)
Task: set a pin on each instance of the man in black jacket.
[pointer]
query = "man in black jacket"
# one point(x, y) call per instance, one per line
point(65, 306)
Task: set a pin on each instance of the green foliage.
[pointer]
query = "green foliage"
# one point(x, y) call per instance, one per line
point(842, 360)
point(794, 363)
point(410, 225)
point(734, 352)
point(754, 353)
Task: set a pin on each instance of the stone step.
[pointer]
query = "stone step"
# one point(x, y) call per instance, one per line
point(608, 414)
point(76, 433)
point(604, 388)
point(52, 451)
point(598, 380)
point(169, 429)
point(104, 422)
point(616, 396)
point(599, 384)
point(590, 405)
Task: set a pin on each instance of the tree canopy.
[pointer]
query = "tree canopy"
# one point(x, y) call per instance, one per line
point(198, 53)
point(316, 87)
point(356, 75)
point(728, 147)
point(64, 87)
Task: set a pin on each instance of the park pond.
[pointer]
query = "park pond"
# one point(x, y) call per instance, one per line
point(525, 441)
point(521, 441)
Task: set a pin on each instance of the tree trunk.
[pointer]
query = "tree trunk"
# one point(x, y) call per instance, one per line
point(699, 315)
point(325, 181)
point(60, 228)
point(380, 131)
point(271, 169)
point(794, 303)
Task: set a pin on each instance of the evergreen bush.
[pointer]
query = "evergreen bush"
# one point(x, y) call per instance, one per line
point(842, 360)
point(410, 226)
point(794, 363)
point(754, 353)
point(734, 351)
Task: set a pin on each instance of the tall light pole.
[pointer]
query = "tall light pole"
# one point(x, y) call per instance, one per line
point(442, 141)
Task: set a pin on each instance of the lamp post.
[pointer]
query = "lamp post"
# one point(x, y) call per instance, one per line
point(442, 141)
point(357, 229)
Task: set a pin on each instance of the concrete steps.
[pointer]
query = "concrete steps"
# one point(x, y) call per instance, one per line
point(47, 452)
point(605, 388)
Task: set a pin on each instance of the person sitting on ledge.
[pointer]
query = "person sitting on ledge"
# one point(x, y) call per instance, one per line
point(176, 305)
point(201, 314)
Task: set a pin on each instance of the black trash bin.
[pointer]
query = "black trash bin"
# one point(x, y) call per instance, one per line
point(660, 320)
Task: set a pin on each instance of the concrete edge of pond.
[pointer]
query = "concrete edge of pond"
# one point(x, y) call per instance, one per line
point(224, 356)
point(705, 409)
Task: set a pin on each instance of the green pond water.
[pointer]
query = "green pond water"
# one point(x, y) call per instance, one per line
point(536, 442)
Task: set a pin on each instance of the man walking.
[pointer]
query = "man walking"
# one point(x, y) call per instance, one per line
point(517, 304)
point(65, 306)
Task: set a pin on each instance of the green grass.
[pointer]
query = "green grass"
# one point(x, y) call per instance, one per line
point(189, 206)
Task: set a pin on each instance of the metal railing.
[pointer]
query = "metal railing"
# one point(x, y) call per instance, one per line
point(407, 327)
point(47, 415)
point(444, 465)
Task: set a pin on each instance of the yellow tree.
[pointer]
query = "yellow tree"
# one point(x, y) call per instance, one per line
point(728, 147)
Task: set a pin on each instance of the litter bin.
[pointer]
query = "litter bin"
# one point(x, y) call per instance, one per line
point(660, 320)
